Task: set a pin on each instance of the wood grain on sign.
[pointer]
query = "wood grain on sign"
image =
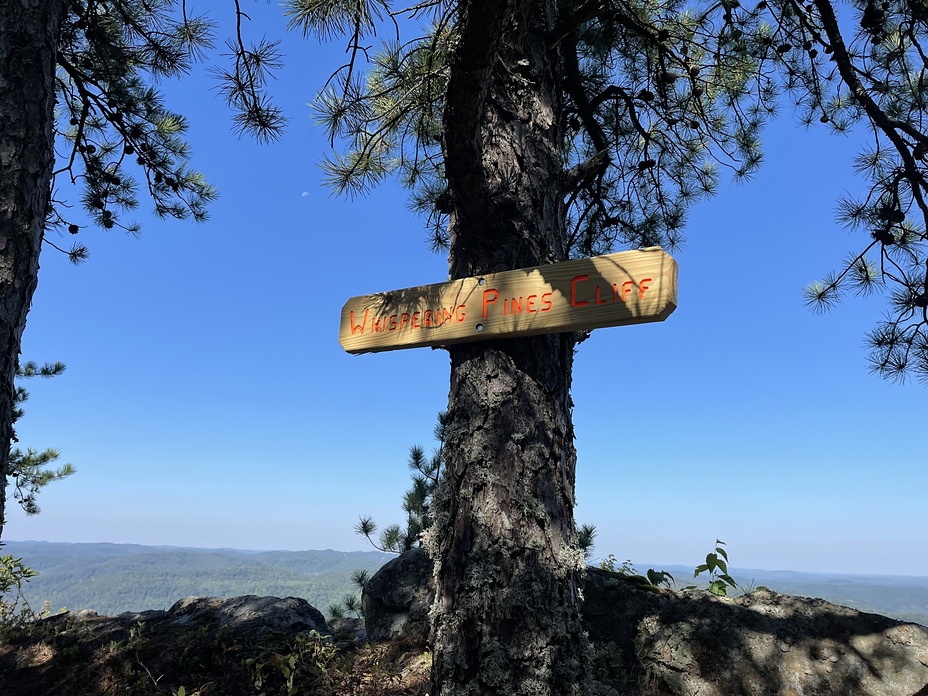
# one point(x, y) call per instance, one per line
point(630, 287)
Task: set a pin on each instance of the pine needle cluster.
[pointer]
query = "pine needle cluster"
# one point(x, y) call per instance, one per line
point(417, 500)
point(115, 137)
point(660, 98)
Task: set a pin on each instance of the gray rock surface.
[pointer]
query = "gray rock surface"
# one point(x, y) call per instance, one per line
point(348, 633)
point(397, 599)
point(762, 643)
point(257, 614)
point(249, 614)
point(683, 643)
point(228, 644)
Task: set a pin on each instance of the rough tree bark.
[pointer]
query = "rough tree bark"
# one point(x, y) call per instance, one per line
point(28, 43)
point(506, 616)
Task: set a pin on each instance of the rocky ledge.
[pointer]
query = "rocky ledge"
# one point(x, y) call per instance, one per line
point(201, 645)
point(645, 641)
point(692, 642)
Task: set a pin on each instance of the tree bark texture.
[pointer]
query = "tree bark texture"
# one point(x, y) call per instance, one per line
point(28, 41)
point(506, 617)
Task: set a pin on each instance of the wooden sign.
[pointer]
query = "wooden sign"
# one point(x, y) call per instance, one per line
point(630, 287)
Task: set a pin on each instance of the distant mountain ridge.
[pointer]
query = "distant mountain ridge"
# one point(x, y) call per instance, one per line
point(113, 578)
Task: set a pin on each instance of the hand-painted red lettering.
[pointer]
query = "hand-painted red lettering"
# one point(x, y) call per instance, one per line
point(357, 328)
point(487, 300)
point(627, 288)
point(574, 302)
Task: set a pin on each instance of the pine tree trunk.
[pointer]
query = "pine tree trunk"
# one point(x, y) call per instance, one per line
point(506, 617)
point(28, 40)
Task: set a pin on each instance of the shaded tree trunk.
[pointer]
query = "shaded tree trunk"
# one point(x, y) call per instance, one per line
point(28, 40)
point(506, 615)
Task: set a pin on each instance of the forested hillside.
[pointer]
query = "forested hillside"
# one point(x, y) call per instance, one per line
point(113, 578)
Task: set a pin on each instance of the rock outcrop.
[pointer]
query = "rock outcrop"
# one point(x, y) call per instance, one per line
point(397, 599)
point(649, 640)
point(762, 643)
point(198, 641)
point(252, 614)
point(645, 642)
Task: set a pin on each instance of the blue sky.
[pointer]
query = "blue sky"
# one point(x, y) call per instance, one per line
point(207, 401)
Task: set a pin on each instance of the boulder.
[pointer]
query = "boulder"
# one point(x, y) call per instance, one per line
point(761, 643)
point(397, 599)
point(226, 644)
point(689, 642)
point(249, 613)
point(347, 632)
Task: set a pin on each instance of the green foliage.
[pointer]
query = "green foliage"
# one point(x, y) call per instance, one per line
point(658, 100)
point(609, 563)
point(652, 579)
point(585, 537)
point(14, 609)
point(289, 669)
point(391, 114)
point(717, 566)
point(115, 578)
point(28, 472)
point(351, 601)
point(416, 501)
point(660, 577)
point(114, 134)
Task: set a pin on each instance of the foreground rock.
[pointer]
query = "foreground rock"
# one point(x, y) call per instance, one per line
point(396, 600)
point(231, 646)
point(249, 614)
point(762, 643)
point(685, 643)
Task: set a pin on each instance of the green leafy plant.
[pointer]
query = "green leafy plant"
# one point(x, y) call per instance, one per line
point(659, 577)
point(717, 566)
point(291, 667)
point(14, 609)
point(653, 578)
point(610, 561)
